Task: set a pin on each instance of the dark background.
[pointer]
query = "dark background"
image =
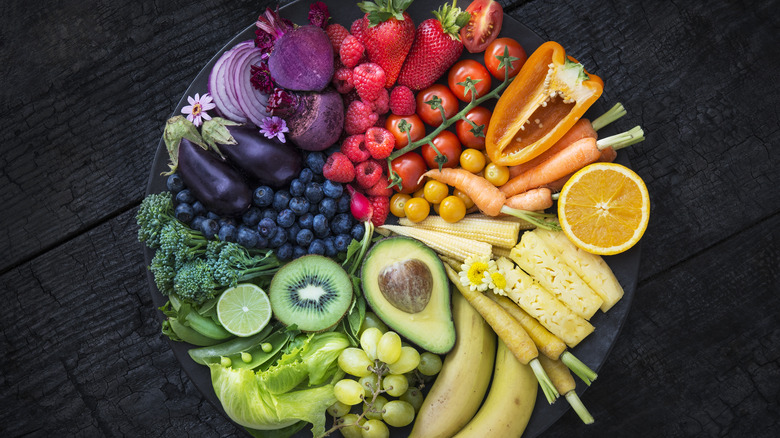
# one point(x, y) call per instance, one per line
point(86, 89)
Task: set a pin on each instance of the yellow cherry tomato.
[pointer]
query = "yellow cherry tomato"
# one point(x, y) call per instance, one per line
point(496, 175)
point(397, 204)
point(420, 193)
point(472, 160)
point(452, 209)
point(434, 191)
point(463, 197)
point(436, 208)
point(417, 209)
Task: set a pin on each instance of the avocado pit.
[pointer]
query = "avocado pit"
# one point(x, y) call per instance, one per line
point(407, 285)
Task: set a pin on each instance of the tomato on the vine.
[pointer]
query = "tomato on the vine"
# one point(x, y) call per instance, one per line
point(447, 100)
point(410, 167)
point(487, 16)
point(496, 49)
point(447, 143)
point(468, 68)
point(480, 116)
point(416, 125)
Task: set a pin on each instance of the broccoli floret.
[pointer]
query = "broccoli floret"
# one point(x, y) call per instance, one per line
point(235, 264)
point(155, 212)
point(194, 282)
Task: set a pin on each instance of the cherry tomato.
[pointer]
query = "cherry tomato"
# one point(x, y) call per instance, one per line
point(496, 175)
point(484, 25)
point(452, 209)
point(496, 49)
point(431, 116)
point(420, 193)
point(410, 167)
point(401, 140)
point(417, 209)
point(480, 116)
point(463, 197)
point(397, 204)
point(435, 191)
point(472, 160)
point(447, 143)
point(468, 68)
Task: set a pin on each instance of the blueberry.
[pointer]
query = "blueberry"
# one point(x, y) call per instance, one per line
point(341, 242)
point(299, 205)
point(174, 183)
point(277, 239)
point(317, 247)
point(293, 231)
point(225, 220)
point(281, 200)
point(344, 203)
point(358, 231)
point(184, 213)
point(269, 213)
point(306, 221)
point(252, 217)
point(266, 227)
point(228, 233)
point(332, 189)
point(330, 247)
point(328, 207)
point(262, 242)
point(263, 196)
point(314, 192)
point(306, 176)
point(197, 222)
point(247, 237)
point(314, 208)
point(212, 215)
point(285, 252)
point(209, 227)
point(297, 187)
point(315, 161)
point(304, 237)
point(341, 224)
point(185, 197)
point(286, 218)
point(299, 251)
point(320, 226)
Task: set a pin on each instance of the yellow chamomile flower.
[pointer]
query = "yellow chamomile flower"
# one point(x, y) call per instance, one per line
point(473, 271)
point(496, 281)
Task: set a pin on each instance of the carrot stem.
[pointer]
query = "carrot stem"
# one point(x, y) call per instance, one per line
point(544, 381)
point(622, 140)
point(577, 367)
point(614, 113)
point(537, 219)
point(579, 407)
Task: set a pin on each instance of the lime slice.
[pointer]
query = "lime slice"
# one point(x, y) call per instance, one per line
point(244, 310)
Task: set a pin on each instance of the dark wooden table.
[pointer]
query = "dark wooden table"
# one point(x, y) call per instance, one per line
point(88, 85)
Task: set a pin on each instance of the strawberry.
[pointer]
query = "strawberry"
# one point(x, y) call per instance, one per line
point(436, 47)
point(387, 32)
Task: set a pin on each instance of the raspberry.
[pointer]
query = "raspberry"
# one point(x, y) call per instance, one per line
point(369, 80)
point(358, 118)
point(342, 80)
point(382, 104)
point(349, 98)
point(380, 188)
point(358, 27)
point(336, 33)
point(380, 206)
point(354, 148)
point(351, 51)
point(368, 173)
point(381, 121)
point(379, 142)
point(338, 168)
point(402, 101)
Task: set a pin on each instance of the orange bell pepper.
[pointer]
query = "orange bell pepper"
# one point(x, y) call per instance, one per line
point(549, 94)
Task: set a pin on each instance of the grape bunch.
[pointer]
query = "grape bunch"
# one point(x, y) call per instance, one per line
point(383, 369)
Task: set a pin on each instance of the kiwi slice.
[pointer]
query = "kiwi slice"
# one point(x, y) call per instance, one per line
point(312, 292)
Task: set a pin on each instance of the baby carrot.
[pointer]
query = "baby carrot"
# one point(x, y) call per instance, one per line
point(532, 200)
point(564, 383)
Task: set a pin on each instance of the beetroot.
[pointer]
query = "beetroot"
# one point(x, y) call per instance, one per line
point(302, 59)
point(317, 121)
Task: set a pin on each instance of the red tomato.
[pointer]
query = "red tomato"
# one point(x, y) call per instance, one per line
point(484, 25)
point(433, 116)
point(468, 68)
point(410, 167)
point(479, 115)
point(401, 139)
point(447, 143)
point(496, 48)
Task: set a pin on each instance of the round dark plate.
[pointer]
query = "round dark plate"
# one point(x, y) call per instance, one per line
point(592, 351)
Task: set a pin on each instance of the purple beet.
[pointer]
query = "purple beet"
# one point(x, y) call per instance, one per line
point(302, 59)
point(318, 120)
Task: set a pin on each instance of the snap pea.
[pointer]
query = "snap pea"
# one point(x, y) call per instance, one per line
point(211, 354)
point(206, 326)
point(259, 356)
point(189, 335)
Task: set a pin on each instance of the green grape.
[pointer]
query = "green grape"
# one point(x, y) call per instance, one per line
point(338, 409)
point(376, 412)
point(395, 384)
point(348, 391)
point(354, 361)
point(388, 350)
point(414, 397)
point(376, 429)
point(373, 321)
point(369, 384)
point(398, 413)
point(430, 364)
point(408, 361)
point(369, 340)
point(352, 431)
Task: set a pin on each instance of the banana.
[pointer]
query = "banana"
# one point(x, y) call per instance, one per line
point(509, 403)
point(464, 377)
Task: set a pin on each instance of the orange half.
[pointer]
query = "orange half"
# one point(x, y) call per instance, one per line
point(604, 208)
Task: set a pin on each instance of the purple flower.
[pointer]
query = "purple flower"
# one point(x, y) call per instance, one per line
point(196, 110)
point(318, 14)
point(261, 78)
point(274, 127)
point(282, 102)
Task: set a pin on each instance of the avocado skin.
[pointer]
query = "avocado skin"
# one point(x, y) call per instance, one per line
point(432, 328)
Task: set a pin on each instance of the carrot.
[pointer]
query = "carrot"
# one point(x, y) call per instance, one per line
point(532, 200)
point(579, 154)
point(564, 383)
point(508, 330)
point(608, 155)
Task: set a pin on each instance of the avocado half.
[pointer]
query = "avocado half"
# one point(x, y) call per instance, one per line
point(405, 284)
